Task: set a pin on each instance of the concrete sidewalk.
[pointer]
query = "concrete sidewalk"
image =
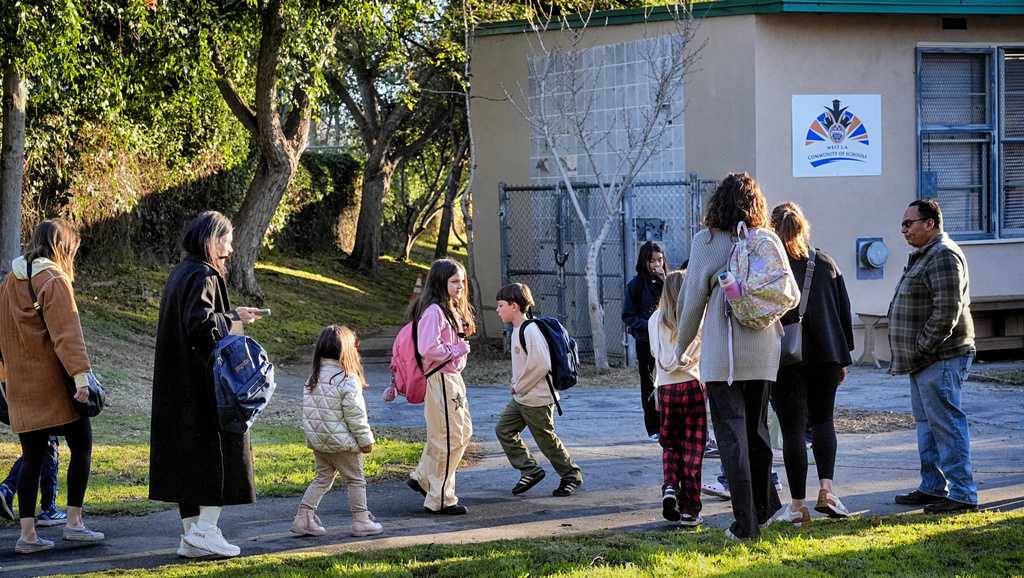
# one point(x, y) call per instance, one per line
point(604, 431)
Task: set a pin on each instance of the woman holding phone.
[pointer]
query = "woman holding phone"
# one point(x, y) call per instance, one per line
point(193, 463)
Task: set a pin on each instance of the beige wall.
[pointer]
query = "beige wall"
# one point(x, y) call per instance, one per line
point(844, 54)
point(720, 127)
point(738, 117)
point(502, 135)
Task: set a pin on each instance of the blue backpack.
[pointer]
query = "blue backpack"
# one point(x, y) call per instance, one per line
point(565, 357)
point(243, 382)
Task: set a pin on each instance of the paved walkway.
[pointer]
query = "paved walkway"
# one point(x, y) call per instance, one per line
point(603, 429)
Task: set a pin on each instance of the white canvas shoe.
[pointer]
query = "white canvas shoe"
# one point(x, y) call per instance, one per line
point(209, 538)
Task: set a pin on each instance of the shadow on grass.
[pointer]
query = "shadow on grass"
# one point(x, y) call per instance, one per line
point(976, 544)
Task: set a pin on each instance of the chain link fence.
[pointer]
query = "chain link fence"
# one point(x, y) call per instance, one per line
point(543, 244)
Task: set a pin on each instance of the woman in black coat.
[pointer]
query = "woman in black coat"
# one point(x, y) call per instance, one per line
point(193, 463)
point(804, 394)
point(641, 299)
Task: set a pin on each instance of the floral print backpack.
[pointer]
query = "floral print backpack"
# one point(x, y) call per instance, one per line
point(759, 262)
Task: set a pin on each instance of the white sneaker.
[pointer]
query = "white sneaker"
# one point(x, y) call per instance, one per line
point(209, 538)
point(798, 518)
point(715, 489)
point(185, 550)
point(831, 505)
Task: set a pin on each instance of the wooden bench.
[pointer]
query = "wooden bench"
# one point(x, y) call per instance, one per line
point(998, 322)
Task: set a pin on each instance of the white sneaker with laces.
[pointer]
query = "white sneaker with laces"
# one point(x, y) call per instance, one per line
point(207, 537)
point(186, 550)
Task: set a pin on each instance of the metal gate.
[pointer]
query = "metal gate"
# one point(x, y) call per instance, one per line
point(543, 244)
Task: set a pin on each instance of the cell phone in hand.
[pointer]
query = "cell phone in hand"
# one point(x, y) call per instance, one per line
point(263, 312)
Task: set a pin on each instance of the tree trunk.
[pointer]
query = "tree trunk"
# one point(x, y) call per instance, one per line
point(376, 185)
point(594, 305)
point(448, 214)
point(12, 164)
point(261, 201)
point(408, 241)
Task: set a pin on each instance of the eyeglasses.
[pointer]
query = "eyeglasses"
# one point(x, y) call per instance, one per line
point(906, 224)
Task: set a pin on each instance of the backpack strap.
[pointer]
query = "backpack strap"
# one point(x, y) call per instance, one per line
point(416, 345)
point(547, 377)
point(805, 291)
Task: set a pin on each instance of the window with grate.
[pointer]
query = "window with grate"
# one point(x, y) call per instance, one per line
point(1011, 151)
point(956, 138)
point(971, 131)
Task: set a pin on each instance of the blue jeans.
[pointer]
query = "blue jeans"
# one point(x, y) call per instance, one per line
point(47, 476)
point(943, 438)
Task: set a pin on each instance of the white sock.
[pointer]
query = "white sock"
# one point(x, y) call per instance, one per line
point(209, 515)
point(187, 523)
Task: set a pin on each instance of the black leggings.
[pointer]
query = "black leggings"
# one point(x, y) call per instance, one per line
point(34, 445)
point(645, 365)
point(806, 396)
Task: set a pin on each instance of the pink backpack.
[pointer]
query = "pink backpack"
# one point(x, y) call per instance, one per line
point(407, 375)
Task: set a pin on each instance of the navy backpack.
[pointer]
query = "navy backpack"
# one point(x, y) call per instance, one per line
point(243, 382)
point(565, 357)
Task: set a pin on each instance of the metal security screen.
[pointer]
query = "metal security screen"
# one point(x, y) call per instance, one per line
point(544, 245)
point(955, 163)
point(971, 138)
point(1012, 142)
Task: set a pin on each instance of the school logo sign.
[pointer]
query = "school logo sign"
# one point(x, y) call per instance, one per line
point(837, 135)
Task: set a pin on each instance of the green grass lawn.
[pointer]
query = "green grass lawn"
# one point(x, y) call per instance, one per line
point(985, 544)
point(304, 293)
point(283, 465)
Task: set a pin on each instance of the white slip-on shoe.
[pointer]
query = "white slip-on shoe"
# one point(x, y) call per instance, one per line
point(83, 534)
point(24, 547)
point(209, 538)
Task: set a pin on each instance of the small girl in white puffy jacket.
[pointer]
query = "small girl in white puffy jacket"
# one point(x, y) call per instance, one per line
point(336, 428)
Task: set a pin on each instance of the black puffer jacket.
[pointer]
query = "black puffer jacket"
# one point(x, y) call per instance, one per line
point(638, 304)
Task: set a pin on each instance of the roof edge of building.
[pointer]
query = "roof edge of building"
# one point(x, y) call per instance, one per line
point(716, 8)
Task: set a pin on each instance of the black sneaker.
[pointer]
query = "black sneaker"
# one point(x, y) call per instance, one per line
point(947, 506)
point(527, 481)
point(917, 498)
point(416, 487)
point(670, 505)
point(690, 520)
point(456, 510)
point(566, 488)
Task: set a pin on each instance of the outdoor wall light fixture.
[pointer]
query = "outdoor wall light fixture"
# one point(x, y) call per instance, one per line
point(872, 253)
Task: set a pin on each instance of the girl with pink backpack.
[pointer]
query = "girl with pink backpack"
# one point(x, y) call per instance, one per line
point(442, 318)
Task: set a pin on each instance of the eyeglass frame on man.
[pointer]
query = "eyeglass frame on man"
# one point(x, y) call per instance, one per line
point(907, 223)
